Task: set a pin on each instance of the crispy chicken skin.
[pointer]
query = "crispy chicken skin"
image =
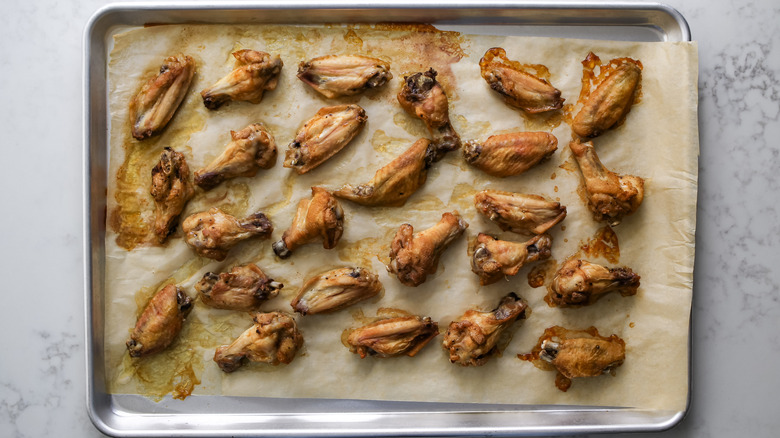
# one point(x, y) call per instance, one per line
point(255, 73)
point(576, 353)
point(394, 183)
point(510, 154)
point(414, 256)
point(495, 259)
point(520, 89)
point(519, 213)
point(391, 337)
point(244, 287)
point(154, 105)
point(318, 217)
point(171, 189)
point(160, 322)
point(212, 233)
point(581, 283)
point(323, 136)
point(610, 102)
point(344, 75)
point(423, 97)
point(610, 196)
point(251, 149)
point(335, 290)
point(473, 338)
point(273, 339)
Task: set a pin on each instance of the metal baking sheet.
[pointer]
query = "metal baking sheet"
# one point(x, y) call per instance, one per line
point(133, 415)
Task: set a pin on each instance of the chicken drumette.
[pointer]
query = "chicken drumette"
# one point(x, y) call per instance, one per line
point(251, 149)
point(318, 217)
point(255, 73)
point(414, 256)
point(212, 233)
point(394, 336)
point(274, 339)
point(160, 322)
point(336, 289)
point(581, 283)
point(344, 75)
point(494, 259)
point(519, 213)
point(510, 154)
point(244, 287)
point(171, 189)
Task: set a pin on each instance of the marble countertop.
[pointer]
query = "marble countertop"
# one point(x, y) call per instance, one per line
point(736, 308)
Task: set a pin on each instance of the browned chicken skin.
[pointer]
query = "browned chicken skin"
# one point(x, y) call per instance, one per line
point(393, 184)
point(171, 189)
point(414, 256)
point(244, 287)
point(160, 322)
point(423, 97)
point(519, 213)
point(335, 290)
point(495, 259)
point(212, 233)
point(318, 217)
point(344, 75)
point(610, 196)
point(581, 283)
point(473, 338)
point(510, 154)
point(274, 339)
point(520, 89)
point(255, 73)
point(394, 336)
point(251, 149)
point(154, 105)
point(323, 136)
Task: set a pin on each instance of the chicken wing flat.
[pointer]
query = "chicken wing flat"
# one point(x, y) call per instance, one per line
point(495, 259)
point(510, 154)
point(273, 339)
point(473, 338)
point(212, 233)
point(519, 213)
point(414, 256)
point(610, 196)
point(519, 88)
point(318, 217)
point(255, 73)
point(154, 105)
point(171, 189)
point(251, 149)
point(244, 287)
point(393, 184)
point(608, 105)
point(423, 97)
point(576, 353)
point(581, 283)
point(391, 337)
point(160, 322)
point(344, 75)
point(323, 136)
point(335, 290)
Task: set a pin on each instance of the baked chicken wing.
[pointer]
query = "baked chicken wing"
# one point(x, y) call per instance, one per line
point(414, 256)
point(160, 322)
point(610, 196)
point(495, 259)
point(510, 154)
point(318, 217)
point(171, 189)
point(244, 287)
point(323, 136)
point(154, 105)
point(344, 75)
point(212, 233)
point(335, 290)
point(519, 213)
point(251, 149)
point(519, 88)
point(423, 97)
point(255, 73)
point(273, 339)
point(474, 337)
point(395, 336)
point(581, 283)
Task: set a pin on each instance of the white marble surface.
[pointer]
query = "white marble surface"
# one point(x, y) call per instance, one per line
point(736, 317)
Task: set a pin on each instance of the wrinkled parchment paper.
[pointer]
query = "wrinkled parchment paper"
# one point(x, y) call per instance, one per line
point(658, 141)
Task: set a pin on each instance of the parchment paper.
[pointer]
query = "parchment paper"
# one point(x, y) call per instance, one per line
point(658, 141)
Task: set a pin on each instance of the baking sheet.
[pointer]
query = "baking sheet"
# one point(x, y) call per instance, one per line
point(657, 241)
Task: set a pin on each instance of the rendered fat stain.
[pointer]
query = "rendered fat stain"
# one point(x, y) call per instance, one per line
point(383, 143)
point(363, 251)
point(604, 243)
point(542, 273)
